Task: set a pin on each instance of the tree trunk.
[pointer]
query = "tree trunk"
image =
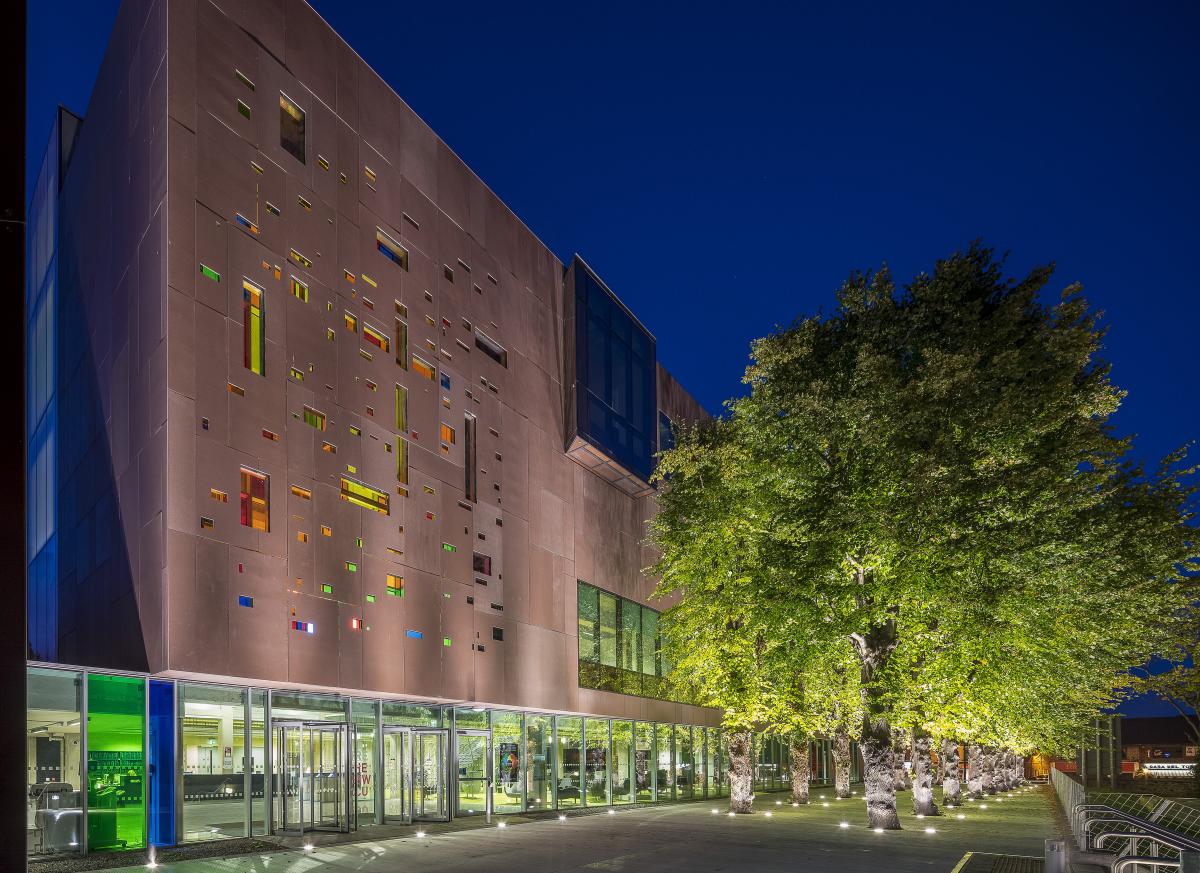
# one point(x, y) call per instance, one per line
point(988, 771)
point(879, 773)
point(840, 750)
point(951, 786)
point(922, 776)
point(801, 765)
point(741, 782)
point(974, 771)
point(900, 744)
point(874, 650)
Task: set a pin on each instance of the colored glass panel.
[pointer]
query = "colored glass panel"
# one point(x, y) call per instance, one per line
point(255, 499)
point(391, 249)
point(116, 725)
point(366, 496)
point(254, 339)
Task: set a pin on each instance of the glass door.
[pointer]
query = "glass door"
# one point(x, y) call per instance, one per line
point(288, 777)
point(311, 777)
point(474, 760)
point(429, 776)
point(397, 761)
point(327, 810)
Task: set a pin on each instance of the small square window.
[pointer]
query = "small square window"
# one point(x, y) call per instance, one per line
point(498, 634)
point(244, 600)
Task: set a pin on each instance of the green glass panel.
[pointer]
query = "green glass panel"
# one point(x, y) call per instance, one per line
point(608, 629)
point(629, 637)
point(589, 624)
point(116, 728)
point(649, 653)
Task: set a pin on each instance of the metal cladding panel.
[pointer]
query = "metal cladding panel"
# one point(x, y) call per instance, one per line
point(314, 654)
point(257, 634)
point(420, 610)
point(383, 649)
point(460, 679)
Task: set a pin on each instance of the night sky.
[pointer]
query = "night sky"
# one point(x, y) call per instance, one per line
point(724, 166)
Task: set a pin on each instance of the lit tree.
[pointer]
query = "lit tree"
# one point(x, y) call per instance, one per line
point(918, 449)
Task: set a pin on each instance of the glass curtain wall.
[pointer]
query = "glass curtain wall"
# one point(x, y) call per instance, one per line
point(364, 714)
point(411, 714)
point(567, 759)
point(644, 761)
point(539, 762)
point(212, 747)
point(684, 772)
point(665, 767)
point(208, 747)
point(53, 762)
point(711, 765)
point(259, 778)
point(596, 759)
point(622, 762)
point(116, 762)
point(508, 783)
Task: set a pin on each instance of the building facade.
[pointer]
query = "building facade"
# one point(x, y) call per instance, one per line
point(338, 476)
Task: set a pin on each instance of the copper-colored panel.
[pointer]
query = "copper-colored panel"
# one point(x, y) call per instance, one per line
point(310, 49)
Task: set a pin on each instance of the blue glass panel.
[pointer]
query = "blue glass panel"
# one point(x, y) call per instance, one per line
point(160, 772)
point(244, 600)
point(416, 635)
point(616, 388)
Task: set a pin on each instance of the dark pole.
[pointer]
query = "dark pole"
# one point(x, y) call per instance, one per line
point(13, 646)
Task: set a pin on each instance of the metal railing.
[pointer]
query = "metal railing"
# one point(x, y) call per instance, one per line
point(1142, 822)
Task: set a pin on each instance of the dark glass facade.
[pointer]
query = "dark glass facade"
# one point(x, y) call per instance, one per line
point(616, 393)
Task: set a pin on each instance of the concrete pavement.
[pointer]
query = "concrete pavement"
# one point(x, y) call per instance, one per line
point(684, 837)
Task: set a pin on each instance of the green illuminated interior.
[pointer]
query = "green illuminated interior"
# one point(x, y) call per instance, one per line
point(116, 816)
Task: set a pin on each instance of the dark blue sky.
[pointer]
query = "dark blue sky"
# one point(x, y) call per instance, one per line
point(723, 166)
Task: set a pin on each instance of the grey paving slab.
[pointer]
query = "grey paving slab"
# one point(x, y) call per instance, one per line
point(686, 837)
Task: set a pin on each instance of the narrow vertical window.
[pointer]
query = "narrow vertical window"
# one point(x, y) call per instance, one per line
point(402, 460)
point(401, 409)
point(402, 344)
point(472, 481)
point(291, 127)
point(256, 499)
point(253, 328)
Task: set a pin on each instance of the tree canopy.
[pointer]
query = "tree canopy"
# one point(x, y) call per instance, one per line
point(925, 486)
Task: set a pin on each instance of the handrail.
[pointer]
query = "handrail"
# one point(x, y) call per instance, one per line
point(1116, 816)
point(1132, 836)
point(1135, 860)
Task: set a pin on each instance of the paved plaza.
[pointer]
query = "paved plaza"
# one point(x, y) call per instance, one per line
point(682, 837)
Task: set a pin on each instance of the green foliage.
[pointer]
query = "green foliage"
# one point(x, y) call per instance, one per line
point(921, 506)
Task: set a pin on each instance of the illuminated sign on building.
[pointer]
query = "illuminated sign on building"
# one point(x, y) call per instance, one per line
point(1168, 768)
